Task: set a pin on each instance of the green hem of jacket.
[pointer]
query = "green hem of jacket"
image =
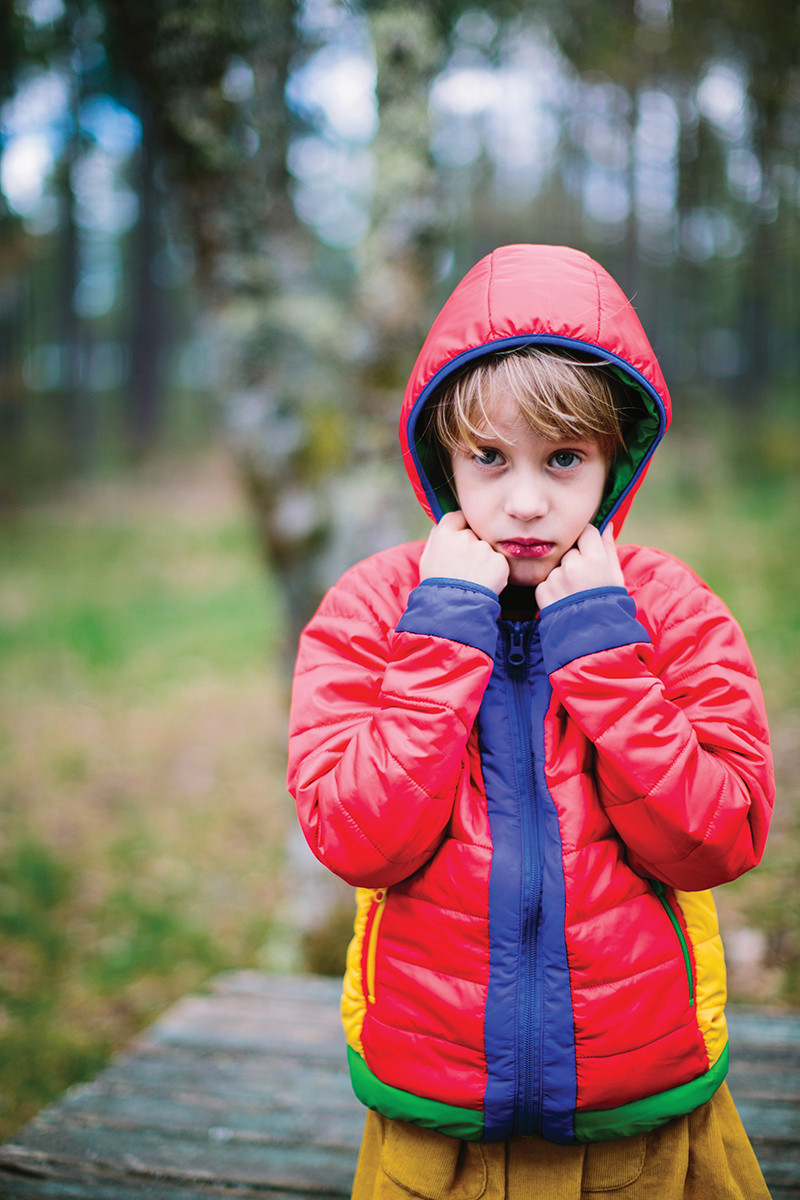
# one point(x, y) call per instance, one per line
point(642, 1115)
point(464, 1123)
point(625, 1121)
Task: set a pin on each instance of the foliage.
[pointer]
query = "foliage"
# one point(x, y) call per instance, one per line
point(142, 810)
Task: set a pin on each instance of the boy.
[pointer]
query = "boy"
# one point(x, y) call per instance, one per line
point(532, 754)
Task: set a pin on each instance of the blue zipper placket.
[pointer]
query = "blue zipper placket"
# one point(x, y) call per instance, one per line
point(518, 638)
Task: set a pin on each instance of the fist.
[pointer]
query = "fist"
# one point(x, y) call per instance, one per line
point(454, 552)
point(592, 562)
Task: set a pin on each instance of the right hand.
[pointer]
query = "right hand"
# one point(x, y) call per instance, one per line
point(454, 552)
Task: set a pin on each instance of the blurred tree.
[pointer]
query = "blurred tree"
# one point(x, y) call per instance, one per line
point(401, 255)
point(743, 168)
point(212, 77)
point(150, 317)
point(13, 273)
point(764, 42)
point(76, 412)
point(314, 322)
point(306, 366)
point(397, 264)
point(56, 66)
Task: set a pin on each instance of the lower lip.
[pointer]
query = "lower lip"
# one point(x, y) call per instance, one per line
point(526, 549)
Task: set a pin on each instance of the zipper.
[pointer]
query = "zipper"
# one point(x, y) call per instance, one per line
point(529, 996)
point(661, 892)
point(371, 942)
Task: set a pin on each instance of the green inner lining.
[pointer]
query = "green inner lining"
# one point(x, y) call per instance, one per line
point(660, 891)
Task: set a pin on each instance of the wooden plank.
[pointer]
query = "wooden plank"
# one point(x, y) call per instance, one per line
point(219, 1076)
point(241, 1014)
point(98, 1185)
point(239, 1092)
point(216, 1080)
point(243, 1092)
point(277, 1118)
point(199, 1021)
point(762, 1027)
point(258, 1160)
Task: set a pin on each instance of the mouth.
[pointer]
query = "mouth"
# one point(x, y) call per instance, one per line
point(525, 548)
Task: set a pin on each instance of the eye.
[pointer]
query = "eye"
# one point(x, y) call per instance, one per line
point(487, 457)
point(565, 459)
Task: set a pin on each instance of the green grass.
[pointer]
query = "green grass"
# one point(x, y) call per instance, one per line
point(142, 808)
point(130, 599)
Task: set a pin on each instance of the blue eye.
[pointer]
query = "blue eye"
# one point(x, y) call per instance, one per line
point(565, 458)
point(488, 457)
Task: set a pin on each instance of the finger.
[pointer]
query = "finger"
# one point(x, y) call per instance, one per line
point(588, 539)
point(608, 537)
point(453, 520)
point(571, 559)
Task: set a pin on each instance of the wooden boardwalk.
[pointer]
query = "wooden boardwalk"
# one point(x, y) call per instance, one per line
point(243, 1092)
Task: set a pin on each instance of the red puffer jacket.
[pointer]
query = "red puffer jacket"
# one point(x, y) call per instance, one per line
point(531, 811)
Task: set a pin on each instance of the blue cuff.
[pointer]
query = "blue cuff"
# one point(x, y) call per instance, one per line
point(464, 584)
point(454, 609)
point(586, 623)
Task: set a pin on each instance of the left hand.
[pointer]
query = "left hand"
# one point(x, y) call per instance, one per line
point(592, 562)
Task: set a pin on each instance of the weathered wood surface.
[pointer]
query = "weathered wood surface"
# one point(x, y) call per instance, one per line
point(764, 1079)
point(243, 1092)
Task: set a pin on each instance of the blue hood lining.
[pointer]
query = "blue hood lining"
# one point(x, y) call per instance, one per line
point(629, 464)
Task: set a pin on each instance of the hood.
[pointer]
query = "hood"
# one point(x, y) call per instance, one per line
point(550, 295)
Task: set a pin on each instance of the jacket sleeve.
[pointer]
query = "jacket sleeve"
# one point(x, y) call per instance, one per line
point(675, 712)
point(379, 721)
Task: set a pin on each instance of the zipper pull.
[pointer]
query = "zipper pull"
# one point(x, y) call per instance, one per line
point(516, 650)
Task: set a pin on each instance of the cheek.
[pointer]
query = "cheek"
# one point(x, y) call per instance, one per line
point(457, 479)
point(468, 492)
point(481, 516)
point(598, 488)
point(585, 505)
point(471, 506)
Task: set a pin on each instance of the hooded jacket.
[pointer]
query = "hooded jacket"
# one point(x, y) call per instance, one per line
point(532, 812)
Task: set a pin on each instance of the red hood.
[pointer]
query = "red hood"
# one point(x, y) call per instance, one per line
point(550, 295)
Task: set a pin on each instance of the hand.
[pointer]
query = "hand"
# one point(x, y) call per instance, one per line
point(592, 562)
point(454, 552)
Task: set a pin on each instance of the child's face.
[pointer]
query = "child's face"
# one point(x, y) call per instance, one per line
point(529, 498)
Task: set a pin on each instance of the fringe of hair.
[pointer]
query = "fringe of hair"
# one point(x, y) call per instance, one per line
point(561, 396)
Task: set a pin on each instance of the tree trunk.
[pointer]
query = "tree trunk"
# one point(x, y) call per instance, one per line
point(145, 389)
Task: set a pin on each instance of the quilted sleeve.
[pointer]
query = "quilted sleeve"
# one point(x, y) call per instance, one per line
point(670, 699)
point(379, 721)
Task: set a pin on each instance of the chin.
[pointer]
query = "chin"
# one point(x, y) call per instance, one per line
point(522, 577)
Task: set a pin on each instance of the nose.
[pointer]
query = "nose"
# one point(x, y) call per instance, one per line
point(526, 498)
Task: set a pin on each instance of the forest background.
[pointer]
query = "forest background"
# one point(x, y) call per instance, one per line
point(225, 226)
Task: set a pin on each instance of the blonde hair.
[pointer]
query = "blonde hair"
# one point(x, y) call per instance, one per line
point(560, 394)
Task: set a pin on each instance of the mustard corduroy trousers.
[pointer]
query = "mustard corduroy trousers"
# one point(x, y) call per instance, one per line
point(703, 1156)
